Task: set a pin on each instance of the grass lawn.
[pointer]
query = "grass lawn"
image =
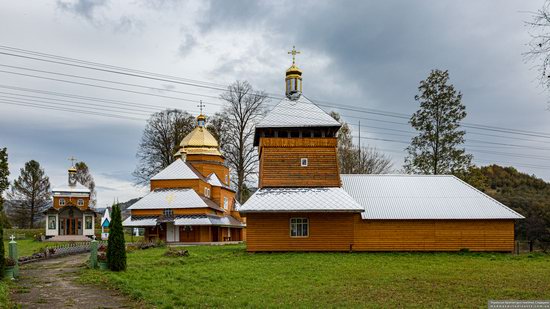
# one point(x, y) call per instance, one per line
point(4, 294)
point(27, 247)
point(228, 276)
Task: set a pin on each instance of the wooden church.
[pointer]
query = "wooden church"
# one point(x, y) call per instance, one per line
point(304, 204)
point(190, 200)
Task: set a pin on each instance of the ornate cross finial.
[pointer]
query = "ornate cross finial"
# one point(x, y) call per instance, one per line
point(12, 237)
point(293, 52)
point(201, 105)
point(72, 159)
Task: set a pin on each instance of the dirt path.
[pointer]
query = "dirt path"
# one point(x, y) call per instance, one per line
point(53, 284)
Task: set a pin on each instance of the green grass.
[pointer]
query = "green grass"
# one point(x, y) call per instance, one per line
point(27, 247)
point(227, 276)
point(4, 294)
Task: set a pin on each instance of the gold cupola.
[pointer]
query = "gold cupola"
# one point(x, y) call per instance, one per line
point(199, 142)
point(293, 79)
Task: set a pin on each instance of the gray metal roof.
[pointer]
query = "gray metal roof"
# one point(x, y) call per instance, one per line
point(300, 200)
point(422, 197)
point(170, 198)
point(78, 188)
point(300, 113)
point(177, 170)
point(193, 220)
point(213, 180)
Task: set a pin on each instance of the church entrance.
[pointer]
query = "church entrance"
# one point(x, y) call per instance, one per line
point(72, 226)
point(70, 221)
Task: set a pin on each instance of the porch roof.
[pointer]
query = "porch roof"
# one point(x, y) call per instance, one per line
point(193, 220)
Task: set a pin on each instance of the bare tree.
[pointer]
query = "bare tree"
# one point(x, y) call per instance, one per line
point(355, 160)
point(30, 194)
point(371, 161)
point(160, 141)
point(84, 177)
point(245, 106)
point(539, 46)
point(218, 125)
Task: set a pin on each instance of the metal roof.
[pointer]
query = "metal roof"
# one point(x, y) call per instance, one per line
point(185, 220)
point(299, 113)
point(213, 180)
point(422, 197)
point(146, 221)
point(170, 198)
point(78, 188)
point(177, 170)
point(300, 200)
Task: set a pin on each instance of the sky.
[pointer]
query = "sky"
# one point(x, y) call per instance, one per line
point(370, 55)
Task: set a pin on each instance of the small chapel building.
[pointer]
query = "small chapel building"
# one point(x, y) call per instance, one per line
point(304, 204)
point(70, 213)
point(190, 200)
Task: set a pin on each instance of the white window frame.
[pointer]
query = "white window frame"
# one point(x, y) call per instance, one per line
point(226, 179)
point(80, 202)
point(225, 203)
point(206, 191)
point(304, 162)
point(61, 201)
point(50, 217)
point(299, 223)
point(91, 221)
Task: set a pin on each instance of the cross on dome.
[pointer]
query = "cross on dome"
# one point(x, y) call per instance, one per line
point(72, 159)
point(201, 106)
point(293, 52)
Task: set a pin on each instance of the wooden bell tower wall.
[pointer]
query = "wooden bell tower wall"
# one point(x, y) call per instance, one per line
point(281, 158)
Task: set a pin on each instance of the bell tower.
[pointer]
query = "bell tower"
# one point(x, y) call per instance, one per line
point(296, 141)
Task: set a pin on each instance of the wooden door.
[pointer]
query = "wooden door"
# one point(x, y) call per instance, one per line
point(215, 232)
point(189, 234)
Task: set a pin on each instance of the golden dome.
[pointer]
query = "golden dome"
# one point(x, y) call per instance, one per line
point(200, 141)
point(293, 70)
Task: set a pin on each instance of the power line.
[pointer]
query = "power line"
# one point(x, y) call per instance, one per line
point(170, 79)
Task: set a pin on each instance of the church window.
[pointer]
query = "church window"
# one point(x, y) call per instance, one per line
point(88, 222)
point(52, 224)
point(168, 212)
point(299, 227)
point(225, 203)
point(207, 192)
point(226, 179)
point(303, 162)
point(61, 202)
point(80, 202)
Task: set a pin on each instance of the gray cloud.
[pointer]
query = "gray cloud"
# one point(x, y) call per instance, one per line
point(84, 8)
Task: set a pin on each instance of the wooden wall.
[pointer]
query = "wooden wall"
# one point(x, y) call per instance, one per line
point(327, 232)
point(71, 201)
point(339, 231)
point(280, 162)
point(206, 168)
point(434, 235)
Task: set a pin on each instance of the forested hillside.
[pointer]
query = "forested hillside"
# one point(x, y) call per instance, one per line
point(524, 193)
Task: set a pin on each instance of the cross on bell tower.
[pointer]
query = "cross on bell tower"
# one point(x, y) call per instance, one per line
point(293, 78)
point(201, 106)
point(72, 172)
point(293, 52)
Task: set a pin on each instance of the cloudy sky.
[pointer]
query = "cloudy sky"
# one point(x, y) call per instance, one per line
point(367, 54)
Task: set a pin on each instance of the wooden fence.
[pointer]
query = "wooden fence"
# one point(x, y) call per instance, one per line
point(55, 251)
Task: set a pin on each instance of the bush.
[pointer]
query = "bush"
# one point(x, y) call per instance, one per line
point(2, 253)
point(116, 247)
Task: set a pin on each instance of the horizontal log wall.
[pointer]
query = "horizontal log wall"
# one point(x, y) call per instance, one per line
point(207, 168)
point(281, 167)
point(434, 235)
point(271, 232)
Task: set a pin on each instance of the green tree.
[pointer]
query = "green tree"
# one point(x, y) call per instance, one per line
point(436, 148)
point(116, 247)
point(30, 194)
point(4, 184)
point(84, 177)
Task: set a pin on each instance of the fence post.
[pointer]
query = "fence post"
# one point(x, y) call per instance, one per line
point(13, 255)
point(93, 253)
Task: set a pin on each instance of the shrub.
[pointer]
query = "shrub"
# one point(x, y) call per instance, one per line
point(102, 257)
point(116, 247)
point(2, 253)
point(9, 262)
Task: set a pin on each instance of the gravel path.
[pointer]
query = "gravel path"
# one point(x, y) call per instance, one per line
point(53, 284)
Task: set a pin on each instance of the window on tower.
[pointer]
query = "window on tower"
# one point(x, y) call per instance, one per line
point(303, 162)
point(61, 202)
